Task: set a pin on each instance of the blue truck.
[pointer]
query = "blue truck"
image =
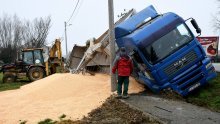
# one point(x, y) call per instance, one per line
point(165, 52)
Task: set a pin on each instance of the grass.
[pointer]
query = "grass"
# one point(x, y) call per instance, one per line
point(11, 86)
point(47, 121)
point(208, 96)
point(50, 121)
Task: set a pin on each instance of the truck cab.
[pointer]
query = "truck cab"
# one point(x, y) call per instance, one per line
point(165, 52)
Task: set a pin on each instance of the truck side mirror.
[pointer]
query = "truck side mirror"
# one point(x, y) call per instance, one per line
point(195, 25)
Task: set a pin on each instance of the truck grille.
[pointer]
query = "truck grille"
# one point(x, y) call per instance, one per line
point(181, 63)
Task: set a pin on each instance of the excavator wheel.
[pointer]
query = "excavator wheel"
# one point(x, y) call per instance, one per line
point(35, 73)
point(7, 78)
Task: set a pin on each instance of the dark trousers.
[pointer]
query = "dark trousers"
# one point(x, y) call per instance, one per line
point(123, 80)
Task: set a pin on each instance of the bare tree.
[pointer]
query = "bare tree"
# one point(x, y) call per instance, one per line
point(10, 31)
point(16, 34)
point(10, 37)
point(5, 31)
point(216, 19)
point(35, 33)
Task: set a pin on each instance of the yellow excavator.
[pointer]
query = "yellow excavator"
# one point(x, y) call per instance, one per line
point(35, 63)
point(55, 62)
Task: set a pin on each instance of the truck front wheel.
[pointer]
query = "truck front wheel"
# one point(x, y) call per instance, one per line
point(35, 73)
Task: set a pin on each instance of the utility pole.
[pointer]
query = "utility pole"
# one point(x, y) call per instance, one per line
point(65, 38)
point(112, 42)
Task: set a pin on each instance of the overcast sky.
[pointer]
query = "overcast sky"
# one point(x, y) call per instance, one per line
point(91, 16)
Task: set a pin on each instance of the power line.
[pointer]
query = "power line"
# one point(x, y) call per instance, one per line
point(73, 11)
point(77, 11)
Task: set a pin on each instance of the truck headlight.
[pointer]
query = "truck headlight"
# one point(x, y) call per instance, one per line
point(209, 65)
point(148, 75)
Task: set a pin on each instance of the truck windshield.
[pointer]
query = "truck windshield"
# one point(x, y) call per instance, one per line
point(167, 44)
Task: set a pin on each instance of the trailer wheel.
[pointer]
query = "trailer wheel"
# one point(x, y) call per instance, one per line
point(9, 78)
point(35, 73)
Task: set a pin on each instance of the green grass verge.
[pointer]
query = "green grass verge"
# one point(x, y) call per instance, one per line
point(208, 96)
point(11, 86)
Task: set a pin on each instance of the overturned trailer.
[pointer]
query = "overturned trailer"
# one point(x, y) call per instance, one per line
point(100, 62)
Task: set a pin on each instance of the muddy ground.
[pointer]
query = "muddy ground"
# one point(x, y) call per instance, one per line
point(114, 111)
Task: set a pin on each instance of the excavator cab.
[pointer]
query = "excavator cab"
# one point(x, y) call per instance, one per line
point(30, 63)
point(33, 57)
point(35, 63)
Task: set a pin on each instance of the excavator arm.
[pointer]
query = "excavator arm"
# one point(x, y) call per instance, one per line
point(55, 50)
point(55, 58)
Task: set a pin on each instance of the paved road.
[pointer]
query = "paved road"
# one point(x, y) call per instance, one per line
point(174, 112)
point(217, 66)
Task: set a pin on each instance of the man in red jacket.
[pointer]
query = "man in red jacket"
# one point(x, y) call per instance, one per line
point(124, 65)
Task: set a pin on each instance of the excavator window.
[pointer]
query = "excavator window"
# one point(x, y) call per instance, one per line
point(38, 57)
point(28, 57)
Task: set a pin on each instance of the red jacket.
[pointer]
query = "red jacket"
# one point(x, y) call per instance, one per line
point(123, 65)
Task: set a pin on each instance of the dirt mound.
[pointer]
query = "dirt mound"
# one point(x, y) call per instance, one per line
point(70, 94)
point(113, 111)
